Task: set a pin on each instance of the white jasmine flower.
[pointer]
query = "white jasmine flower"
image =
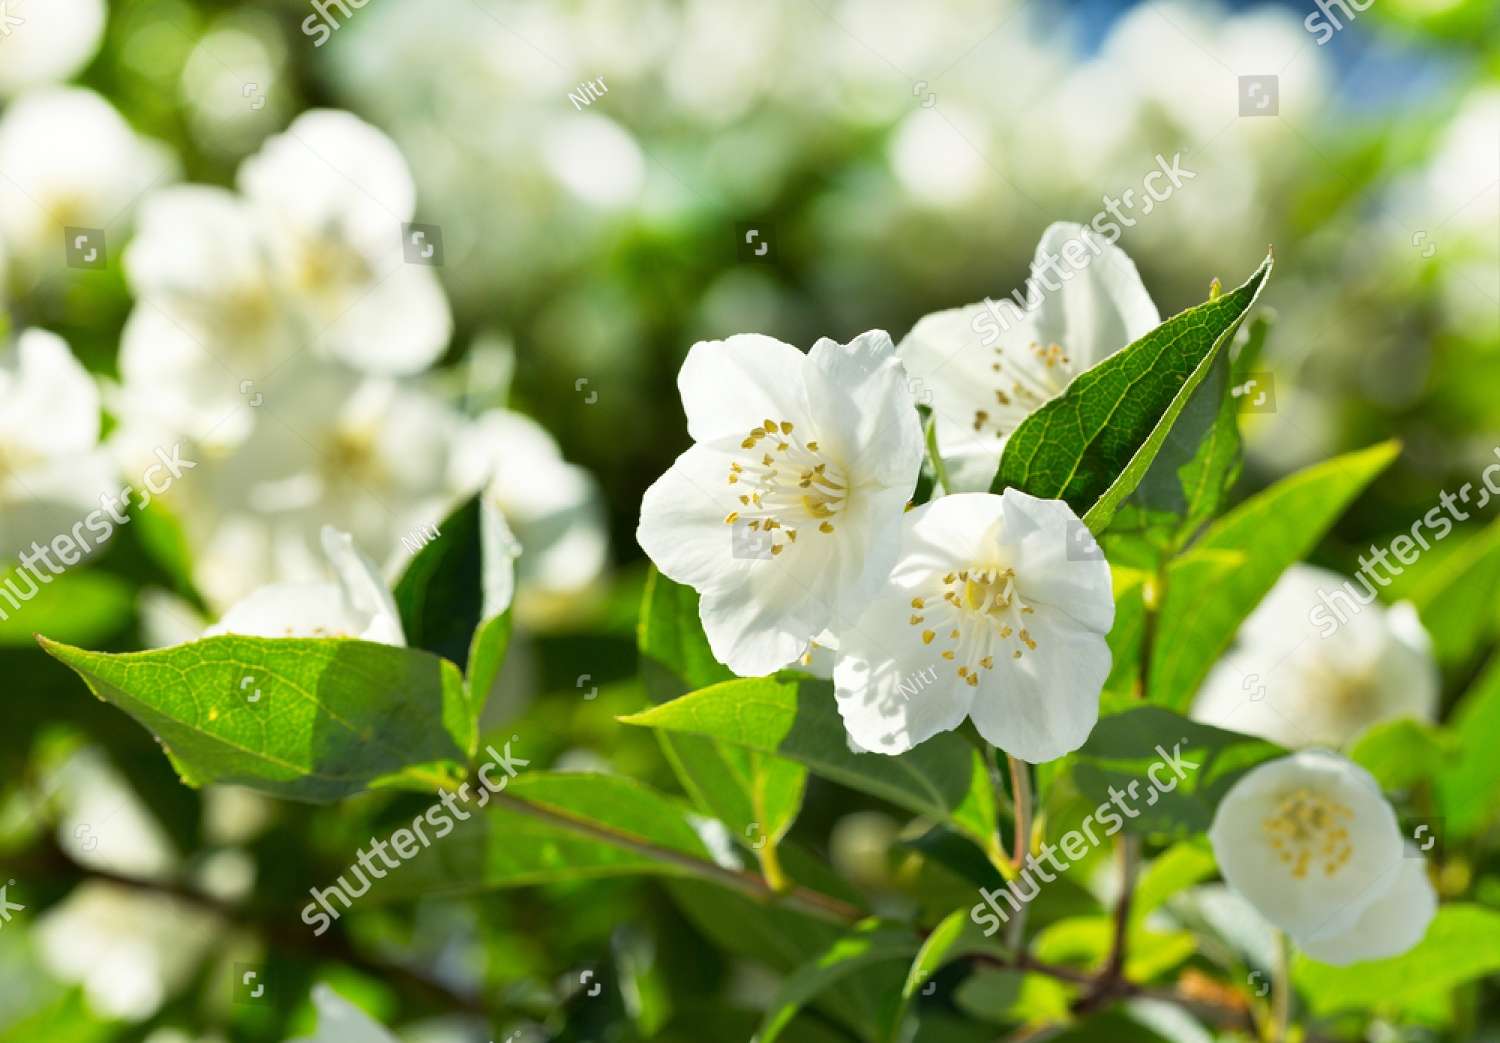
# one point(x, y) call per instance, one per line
point(55, 38)
point(211, 312)
point(984, 616)
point(785, 513)
point(1311, 843)
point(553, 506)
point(334, 194)
point(985, 367)
point(127, 949)
point(357, 603)
point(52, 473)
point(340, 1021)
point(1300, 684)
point(70, 161)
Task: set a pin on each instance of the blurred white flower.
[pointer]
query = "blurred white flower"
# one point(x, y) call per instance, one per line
point(356, 603)
point(70, 161)
point(52, 40)
point(1310, 841)
point(785, 513)
point(1300, 684)
point(985, 616)
point(128, 950)
point(595, 158)
point(985, 367)
point(52, 472)
point(340, 1021)
point(103, 824)
point(334, 194)
point(553, 507)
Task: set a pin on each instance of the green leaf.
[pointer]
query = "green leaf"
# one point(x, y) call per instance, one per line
point(301, 718)
point(1094, 443)
point(870, 943)
point(1403, 752)
point(1457, 602)
point(756, 794)
point(441, 598)
point(546, 827)
point(1171, 872)
point(1212, 587)
point(956, 936)
point(1115, 768)
point(83, 607)
point(796, 717)
point(1086, 941)
point(1469, 783)
point(1462, 944)
point(1007, 997)
point(1191, 478)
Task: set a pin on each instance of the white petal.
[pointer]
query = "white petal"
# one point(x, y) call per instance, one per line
point(366, 594)
point(57, 38)
point(1390, 925)
point(866, 415)
point(682, 527)
point(340, 1021)
point(730, 386)
point(1046, 703)
point(1321, 901)
point(763, 619)
point(397, 323)
point(1057, 562)
point(1097, 310)
point(48, 402)
point(289, 610)
point(893, 691)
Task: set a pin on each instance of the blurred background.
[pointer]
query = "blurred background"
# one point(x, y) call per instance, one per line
point(609, 182)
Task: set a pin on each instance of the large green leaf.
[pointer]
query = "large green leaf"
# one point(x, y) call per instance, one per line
point(869, 944)
point(441, 597)
point(956, 936)
point(1402, 752)
point(756, 794)
point(1115, 770)
point(545, 827)
point(796, 717)
point(1212, 587)
point(1458, 600)
point(1094, 443)
point(1190, 480)
point(1462, 944)
point(313, 719)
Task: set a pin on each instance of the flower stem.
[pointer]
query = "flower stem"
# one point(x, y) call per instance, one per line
point(938, 467)
point(1020, 787)
point(1281, 989)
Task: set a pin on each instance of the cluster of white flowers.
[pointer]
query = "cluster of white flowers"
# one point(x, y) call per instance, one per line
point(789, 516)
point(284, 333)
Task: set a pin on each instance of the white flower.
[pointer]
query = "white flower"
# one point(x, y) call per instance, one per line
point(340, 1021)
point(785, 513)
point(211, 312)
point(334, 193)
point(1285, 681)
point(69, 161)
point(553, 506)
point(985, 616)
point(983, 368)
point(1311, 843)
point(54, 39)
point(357, 603)
point(52, 473)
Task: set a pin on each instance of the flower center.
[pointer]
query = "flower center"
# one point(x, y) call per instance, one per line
point(1037, 378)
point(975, 614)
point(789, 485)
point(1309, 828)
